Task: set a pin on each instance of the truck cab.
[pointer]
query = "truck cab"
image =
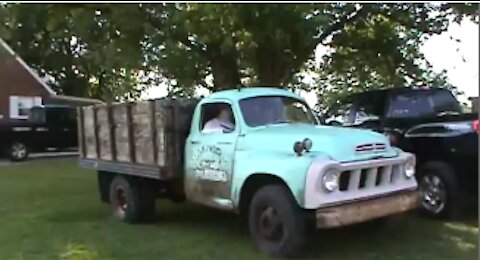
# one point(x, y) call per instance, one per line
point(274, 164)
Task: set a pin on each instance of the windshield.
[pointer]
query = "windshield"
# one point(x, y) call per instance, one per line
point(423, 103)
point(266, 110)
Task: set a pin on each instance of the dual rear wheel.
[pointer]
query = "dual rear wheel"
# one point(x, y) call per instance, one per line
point(132, 200)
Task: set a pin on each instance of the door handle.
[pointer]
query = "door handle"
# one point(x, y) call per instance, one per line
point(224, 142)
point(194, 142)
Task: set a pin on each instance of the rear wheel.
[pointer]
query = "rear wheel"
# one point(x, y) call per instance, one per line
point(276, 223)
point(439, 190)
point(131, 200)
point(18, 151)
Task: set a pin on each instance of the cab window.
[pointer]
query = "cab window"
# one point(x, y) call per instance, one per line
point(217, 117)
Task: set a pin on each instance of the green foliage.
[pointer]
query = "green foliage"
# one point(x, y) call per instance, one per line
point(382, 50)
point(76, 46)
point(89, 48)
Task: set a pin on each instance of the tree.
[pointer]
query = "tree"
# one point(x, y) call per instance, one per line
point(383, 50)
point(372, 45)
point(80, 49)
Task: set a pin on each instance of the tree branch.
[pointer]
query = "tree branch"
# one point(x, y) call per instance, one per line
point(181, 37)
point(352, 16)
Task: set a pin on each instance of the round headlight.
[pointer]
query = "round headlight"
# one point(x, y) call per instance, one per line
point(307, 144)
point(330, 180)
point(410, 169)
point(298, 148)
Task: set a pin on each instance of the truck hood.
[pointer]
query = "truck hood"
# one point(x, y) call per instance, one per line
point(338, 143)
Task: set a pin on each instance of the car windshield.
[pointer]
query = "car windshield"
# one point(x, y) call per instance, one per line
point(423, 103)
point(267, 110)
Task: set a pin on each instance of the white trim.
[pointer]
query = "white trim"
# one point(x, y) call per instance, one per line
point(76, 99)
point(24, 65)
point(14, 108)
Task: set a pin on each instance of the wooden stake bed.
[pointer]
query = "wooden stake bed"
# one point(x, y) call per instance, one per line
point(144, 138)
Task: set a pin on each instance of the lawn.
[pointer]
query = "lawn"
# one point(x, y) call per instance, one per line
point(49, 209)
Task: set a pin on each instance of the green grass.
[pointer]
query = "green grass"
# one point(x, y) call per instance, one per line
point(49, 209)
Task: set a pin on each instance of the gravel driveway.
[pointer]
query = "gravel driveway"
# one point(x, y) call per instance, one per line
point(6, 162)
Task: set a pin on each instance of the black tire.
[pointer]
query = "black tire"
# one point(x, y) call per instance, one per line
point(285, 241)
point(442, 174)
point(18, 151)
point(129, 200)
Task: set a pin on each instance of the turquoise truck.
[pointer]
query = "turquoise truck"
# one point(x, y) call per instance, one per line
point(258, 152)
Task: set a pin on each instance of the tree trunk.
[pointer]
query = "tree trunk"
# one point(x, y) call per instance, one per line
point(272, 67)
point(224, 68)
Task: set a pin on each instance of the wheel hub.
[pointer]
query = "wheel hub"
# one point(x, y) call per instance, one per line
point(121, 200)
point(270, 225)
point(19, 150)
point(433, 193)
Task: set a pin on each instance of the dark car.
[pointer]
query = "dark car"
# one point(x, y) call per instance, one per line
point(429, 123)
point(47, 127)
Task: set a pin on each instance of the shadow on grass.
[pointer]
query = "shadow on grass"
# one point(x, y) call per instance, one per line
point(76, 215)
point(405, 236)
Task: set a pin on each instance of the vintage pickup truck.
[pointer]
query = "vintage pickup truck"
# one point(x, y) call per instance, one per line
point(51, 126)
point(430, 123)
point(276, 166)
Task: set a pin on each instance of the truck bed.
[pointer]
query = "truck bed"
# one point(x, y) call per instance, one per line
point(144, 138)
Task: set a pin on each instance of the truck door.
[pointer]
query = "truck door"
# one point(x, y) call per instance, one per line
point(61, 123)
point(209, 156)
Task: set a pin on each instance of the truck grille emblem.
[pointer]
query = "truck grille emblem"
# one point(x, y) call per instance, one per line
point(370, 148)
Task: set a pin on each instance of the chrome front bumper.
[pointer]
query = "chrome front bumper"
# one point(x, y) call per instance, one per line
point(361, 211)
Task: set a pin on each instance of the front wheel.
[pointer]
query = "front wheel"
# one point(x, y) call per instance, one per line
point(439, 190)
point(18, 151)
point(276, 223)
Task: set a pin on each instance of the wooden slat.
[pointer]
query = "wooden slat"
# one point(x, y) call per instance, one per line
point(95, 127)
point(81, 134)
point(131, 141)
point(111, 127)
point(176, 134)
point(121, 132)
point(154, 131)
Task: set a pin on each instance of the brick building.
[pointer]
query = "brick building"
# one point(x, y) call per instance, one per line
point(21, 88)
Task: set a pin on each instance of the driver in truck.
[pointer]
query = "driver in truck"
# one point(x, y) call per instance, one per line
point(221, 121)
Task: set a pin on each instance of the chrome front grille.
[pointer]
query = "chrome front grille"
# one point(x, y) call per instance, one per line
point(370, 177)
point(371, 148)
point(358, 180)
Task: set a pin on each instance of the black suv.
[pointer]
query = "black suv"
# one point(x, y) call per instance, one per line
point(429, 123)
point(47, 127)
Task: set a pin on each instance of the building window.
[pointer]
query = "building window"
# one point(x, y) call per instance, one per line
point(20, 106)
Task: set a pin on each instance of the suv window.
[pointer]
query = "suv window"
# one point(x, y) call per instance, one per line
point(422, 103)
point(61, 116)
point(363, 108)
